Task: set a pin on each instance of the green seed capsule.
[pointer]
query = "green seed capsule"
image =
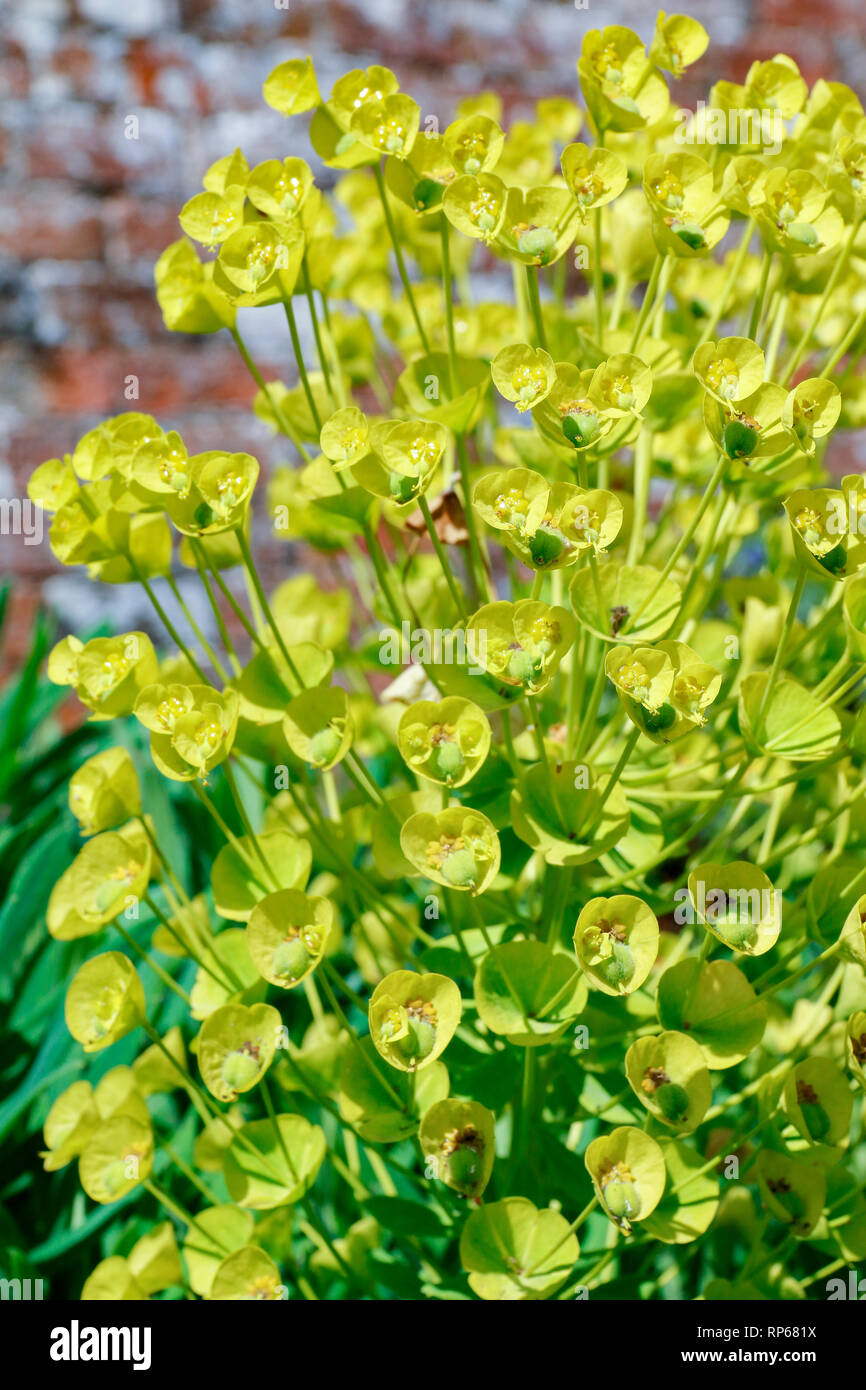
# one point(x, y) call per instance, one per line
point(580, 430)
point(401, 487)
point(618, 968)
point(291, 960)
point(739, 440)
point(521, 667)
point(690, 233)
point(114, 1179)
point(817, 1121)
point(673, 1102)
point(790, 1201)
point(324, 747)
point(835, 560)
point(460, 869)
point(740, 935)
point(106, 897)
point(539, 242)
point(418, 1042)
point(427, 193)
point(546, 546)
point(464, 1167)
point(657, 720)
point(239, 1070)
point(448, 762)
point(622, 1200)
point(804, 233)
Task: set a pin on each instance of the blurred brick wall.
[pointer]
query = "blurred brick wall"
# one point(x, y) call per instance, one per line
point(84, 211)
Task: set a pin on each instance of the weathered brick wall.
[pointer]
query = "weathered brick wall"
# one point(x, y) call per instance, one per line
point(85, 210)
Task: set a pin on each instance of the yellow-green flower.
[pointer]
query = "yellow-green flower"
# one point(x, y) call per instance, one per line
point(104, 791)
point(521, 644)
point(458, 848)
point(413, 1018)
point(446, 740)
point(104, 1002)
point(616, 942)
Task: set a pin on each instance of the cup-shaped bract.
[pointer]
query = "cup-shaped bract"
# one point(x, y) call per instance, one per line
point(620, 87)
point(631, 604)
point(566, 815)
point(278, 188)
point(219, 494)
point(389, 126)
point(117, 1157)
point(345, 437)
point(236, 1045)
point(106, 672)
point(237, 872)
point(527, 992)
point(855, 1036)
point(247, 1275)
point(621, 385)
point(677, 42)
point(271, 1164)
point(108, 876)
point(383, 1104)
point(616, 942)
point(669, 1076)
point(750, 428)
point(259, 263)
point(818, 1100)
point(287, 934)
point(690, 1200)
point(513, 1252)
point(457, 1139)
point(413, 1018)
point(794, 212)
point(568, 415)
point(716, 1005)
point(318, 726)
point(594, 176)
point(523, 375)
point(104, 791)
point(473, 143)
point(739, 905)
point(521, 644)
point(820, 531)
point(219, 1231)
point(627, 1169)
point(292, 88)
point(186, 293)
point(69, 1124)
point(458, 847)
point(687, 217)
point(445, 741)
point(547, 526)
point(730, 369)
point(104, 1002)
point(811, 411)
point(794, 1190)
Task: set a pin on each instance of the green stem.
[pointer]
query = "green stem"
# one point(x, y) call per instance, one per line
point(440, 556)
point(398, 252)
point(282, 420)
point(299, 358)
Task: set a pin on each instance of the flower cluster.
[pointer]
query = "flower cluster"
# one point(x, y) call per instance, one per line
point(435, 955)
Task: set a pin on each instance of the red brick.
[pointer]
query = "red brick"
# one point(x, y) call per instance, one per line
point(51, 225)
point(81, 379)
point(138, 228)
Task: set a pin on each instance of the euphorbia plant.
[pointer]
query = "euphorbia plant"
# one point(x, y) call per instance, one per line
point(556, 927)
